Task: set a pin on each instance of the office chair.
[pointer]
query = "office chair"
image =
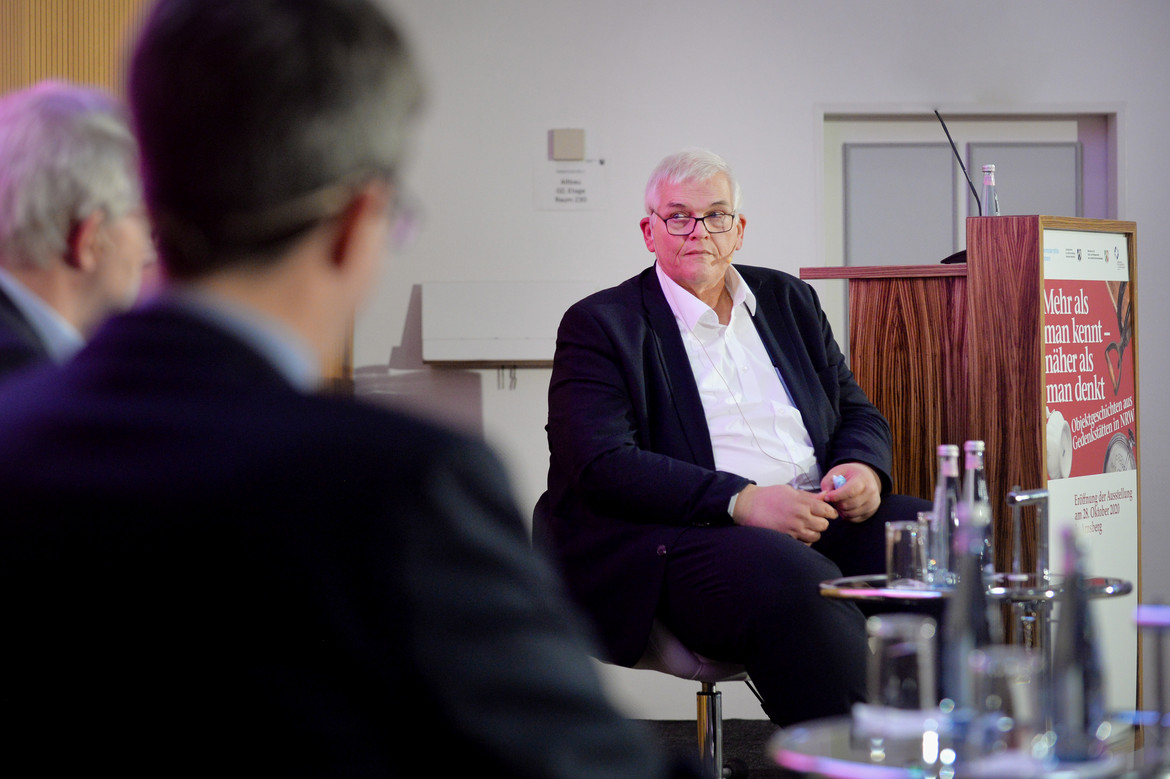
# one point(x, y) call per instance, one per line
point(667, 654)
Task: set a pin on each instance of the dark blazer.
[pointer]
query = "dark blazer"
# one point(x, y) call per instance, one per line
point(203, 570)
point(631, 464)
point(20, 346)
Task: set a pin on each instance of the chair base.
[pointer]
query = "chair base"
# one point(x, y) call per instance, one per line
point(710, 726)
point(710, 722)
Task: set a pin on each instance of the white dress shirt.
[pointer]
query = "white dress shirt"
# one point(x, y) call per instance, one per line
point(756, 431)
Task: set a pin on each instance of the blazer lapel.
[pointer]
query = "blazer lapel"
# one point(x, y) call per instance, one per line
point(775, 329)
point(676, 370)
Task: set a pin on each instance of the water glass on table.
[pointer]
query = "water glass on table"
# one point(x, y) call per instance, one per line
point(906, 553)
point(1006, 735)
point(901, 666)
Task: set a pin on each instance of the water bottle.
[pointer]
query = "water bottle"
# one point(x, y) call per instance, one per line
point(966, 626)
point(1078, 688)
point(990, 201)
point(974, 506)
point(940, 565)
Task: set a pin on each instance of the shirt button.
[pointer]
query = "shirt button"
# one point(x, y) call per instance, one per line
point(662, 550)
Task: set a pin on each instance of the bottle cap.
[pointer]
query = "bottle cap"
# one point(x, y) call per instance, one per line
point(989, 169)
point(948, 450)
point(973, 446)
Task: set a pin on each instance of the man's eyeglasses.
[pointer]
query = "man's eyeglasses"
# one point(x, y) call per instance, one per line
point(718, 222)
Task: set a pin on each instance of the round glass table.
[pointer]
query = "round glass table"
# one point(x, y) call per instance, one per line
point(838, 748)
point(1006, 587)
point(1030, 597)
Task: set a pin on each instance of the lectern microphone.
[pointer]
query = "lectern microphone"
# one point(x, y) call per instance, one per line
point(961, 165)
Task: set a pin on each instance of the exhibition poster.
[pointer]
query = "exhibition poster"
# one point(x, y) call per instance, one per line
point(1091, 429)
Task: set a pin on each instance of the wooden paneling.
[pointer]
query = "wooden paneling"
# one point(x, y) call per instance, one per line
point(913, 328)
point(1005, 375)
point(907, 347)
point(75, 40)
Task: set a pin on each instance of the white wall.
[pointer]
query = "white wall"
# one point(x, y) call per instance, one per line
point(751, 80)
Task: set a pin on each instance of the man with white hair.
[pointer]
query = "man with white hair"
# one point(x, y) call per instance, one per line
point(713, 459)
point(74, 236)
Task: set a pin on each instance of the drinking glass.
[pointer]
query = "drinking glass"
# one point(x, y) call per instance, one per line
point(901, 668)
point(1006, 680)
point(906, 553)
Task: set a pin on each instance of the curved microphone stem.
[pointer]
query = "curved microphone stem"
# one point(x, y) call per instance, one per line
point(966, 175)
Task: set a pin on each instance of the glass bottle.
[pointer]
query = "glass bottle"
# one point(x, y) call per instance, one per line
point(941, 567)
point(965, 621)
point(990, 201)
point(1078, 690)
point(974, 506)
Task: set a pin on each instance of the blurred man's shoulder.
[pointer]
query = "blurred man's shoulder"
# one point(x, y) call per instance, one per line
point(398, 432)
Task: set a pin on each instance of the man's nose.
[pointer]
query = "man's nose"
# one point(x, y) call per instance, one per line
point(699, 225)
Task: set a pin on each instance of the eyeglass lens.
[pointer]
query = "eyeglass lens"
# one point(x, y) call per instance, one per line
point(685, 225)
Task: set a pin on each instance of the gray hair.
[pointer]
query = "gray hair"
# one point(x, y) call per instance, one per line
point(254, 115)
point(690, 165)
point(66, 151)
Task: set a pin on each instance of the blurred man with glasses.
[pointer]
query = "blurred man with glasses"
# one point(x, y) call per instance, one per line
point(713, 459)
point(207, 565)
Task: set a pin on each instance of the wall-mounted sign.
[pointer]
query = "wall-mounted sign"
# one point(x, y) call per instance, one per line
point(569, 185)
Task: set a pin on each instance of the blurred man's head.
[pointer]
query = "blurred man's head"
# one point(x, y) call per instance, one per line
point(260, 119)
point(72, 225)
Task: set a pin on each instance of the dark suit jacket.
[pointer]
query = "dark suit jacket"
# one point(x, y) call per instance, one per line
point(204, 571)
point(19, 344)
point(631, 463)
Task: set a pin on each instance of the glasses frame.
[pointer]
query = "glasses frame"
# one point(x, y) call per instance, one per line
point(695, 220)
point(406, 219)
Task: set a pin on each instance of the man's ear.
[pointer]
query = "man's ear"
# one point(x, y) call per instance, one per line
point(741, 223)
point(81, 249)
point(648, 233)
point(362, 226)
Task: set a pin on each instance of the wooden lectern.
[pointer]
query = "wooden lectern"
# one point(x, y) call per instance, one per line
point(956, 352)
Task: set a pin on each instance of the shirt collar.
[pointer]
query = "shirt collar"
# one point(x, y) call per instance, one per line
point(61, 339)
point(286, 351)
point(689, 309)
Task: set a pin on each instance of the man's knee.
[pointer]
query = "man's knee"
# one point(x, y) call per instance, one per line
point(899, 507)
